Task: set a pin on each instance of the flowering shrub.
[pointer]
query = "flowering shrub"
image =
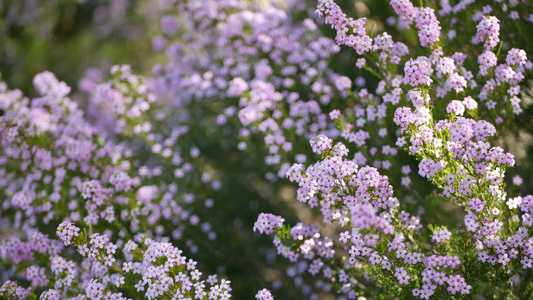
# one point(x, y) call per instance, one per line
point(111, 202)
point(49, 154)
point(385, 246)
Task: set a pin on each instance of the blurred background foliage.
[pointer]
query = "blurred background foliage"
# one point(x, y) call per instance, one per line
point(69, 37)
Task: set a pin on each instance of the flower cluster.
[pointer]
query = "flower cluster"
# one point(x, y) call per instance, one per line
point(488, 32)
point(267, 223)
point(264, 294)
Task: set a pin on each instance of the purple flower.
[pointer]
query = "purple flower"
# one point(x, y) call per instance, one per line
point(237, 87)
point(342, 83)
point(418, 72)
point(321, 144)
point(445, 65)
point(488, 32)
point(159, 43)
point(264, 294)
point(403, 117)
point(455, 107)
point(401, 275)
point(21, 200)
point(428, 26)
point(146, 194)
point(66, 231)
point(47, 84)
point(267, 223)
point(418, 98)
point(486, 60)
point(516, 57)
point(405, 10)
point(169, 24)
point(456, 82)
point(50, 294)
point(441, 235)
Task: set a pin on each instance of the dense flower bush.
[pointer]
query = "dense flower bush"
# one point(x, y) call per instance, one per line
point(138, 191)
